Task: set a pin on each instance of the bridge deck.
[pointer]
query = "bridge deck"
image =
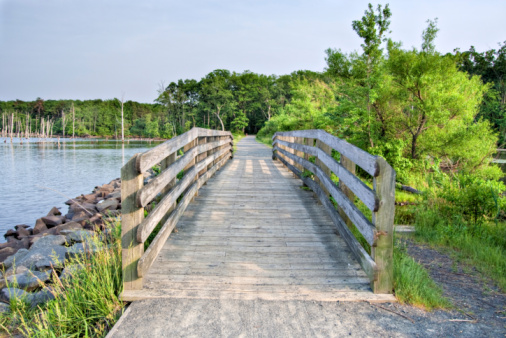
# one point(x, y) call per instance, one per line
point(253, 233)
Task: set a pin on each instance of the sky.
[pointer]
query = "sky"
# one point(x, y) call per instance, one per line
point(102, 49)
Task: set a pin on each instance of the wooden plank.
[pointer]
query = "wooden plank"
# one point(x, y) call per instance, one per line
point(156, 215)
point(383, 219)
point(157, 154)
point(163, 166)
point(362, 158)
point(361, 255)
point(131, 216)
point(148, 192)
point(360, 221)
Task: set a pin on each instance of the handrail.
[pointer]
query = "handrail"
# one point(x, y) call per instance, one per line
point(293, 150)
point(205, 151)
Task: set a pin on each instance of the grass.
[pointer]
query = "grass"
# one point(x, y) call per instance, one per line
point(481, 246)
point(412, 282)
point(87, 304)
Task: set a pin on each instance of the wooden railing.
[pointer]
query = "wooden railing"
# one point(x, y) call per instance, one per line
point(296, 149)
point(205, 151)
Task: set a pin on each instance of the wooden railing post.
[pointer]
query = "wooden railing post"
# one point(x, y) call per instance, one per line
point(383, 219)
point(132, 216)
point(328, 150)
point(351, 167)
point(163, 165)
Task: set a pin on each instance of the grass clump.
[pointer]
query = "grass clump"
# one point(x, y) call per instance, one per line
point(412, 282)
point(86, 303)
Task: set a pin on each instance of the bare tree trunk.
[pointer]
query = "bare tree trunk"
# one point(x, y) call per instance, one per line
point(122, 125)
point(12, 125)
point(73, 121)
point(63, 122)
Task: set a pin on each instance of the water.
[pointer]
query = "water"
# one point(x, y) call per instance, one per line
point(74, 168)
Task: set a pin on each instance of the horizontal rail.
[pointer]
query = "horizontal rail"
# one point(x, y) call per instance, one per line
point(158, 153)
point(358, 187)
point(360, 157)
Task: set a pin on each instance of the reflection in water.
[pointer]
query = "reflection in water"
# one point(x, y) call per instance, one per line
point(73, 169)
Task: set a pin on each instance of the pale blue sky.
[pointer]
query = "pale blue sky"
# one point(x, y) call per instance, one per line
point(85, 49)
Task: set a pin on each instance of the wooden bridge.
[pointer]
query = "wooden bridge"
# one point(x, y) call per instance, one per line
point(259, 229)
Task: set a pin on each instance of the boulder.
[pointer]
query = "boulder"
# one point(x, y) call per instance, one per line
point(114, 194)
point(39, 227)
point(52, 221)
point(81, 216)
point(15, 270)
point(29, 280)
point(48, 241)
point(109, 204)
point(44, 258)
point(10, 233)
point(70, 270)
point(90, 198)
point(22, 232)
point(6, 253)
point(21, 226)
point(4, 308)
point(19, 255)
point(33, 299)
point(84, 206)
point(80, 249)
point(56, 230)
point(78, 236)
point(54, 212)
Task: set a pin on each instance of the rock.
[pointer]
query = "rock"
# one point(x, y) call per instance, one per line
point(44, 258)
point(42, 296)
point(4, 308)
point(54, 212)
point(39, 226)
point(6, 253)
point(90, 197)
point(29, 280)
point(77, 235)
point(31, 298)
point(15, 270)
point(115, 194)
point(70, 202)
point(70, 271)
point(15, 258)
point(48, 241)
point(109, 204)
point(22, 232)
point(52, 221)
point(79, 249)
point(66, 226)
point(81, 216)
point(21, 226)
point(84, 206)
point(9, 233)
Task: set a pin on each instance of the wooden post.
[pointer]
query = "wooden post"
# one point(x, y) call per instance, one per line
point(308, 142)
point(383, 219)
point(351, 167)
point(273, 153)
point(299, 140)
point(163, 165)
point(131, 217)
point(326, 170)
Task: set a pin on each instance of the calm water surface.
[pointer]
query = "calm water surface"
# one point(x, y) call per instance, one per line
point(27, 171)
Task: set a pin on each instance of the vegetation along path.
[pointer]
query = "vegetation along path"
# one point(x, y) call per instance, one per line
point(256, 255)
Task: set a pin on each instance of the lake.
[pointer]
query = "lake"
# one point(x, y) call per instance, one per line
point(34, 177)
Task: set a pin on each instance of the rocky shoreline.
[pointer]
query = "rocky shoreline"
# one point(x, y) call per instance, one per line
point(31, 255)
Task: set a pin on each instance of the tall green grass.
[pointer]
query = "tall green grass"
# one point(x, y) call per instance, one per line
point(86, 305)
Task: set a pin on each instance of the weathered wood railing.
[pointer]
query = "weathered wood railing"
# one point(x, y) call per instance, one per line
point(205, 151)
point(294, 149)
